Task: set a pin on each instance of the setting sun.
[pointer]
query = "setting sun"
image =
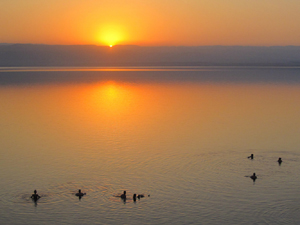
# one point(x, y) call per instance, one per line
point(111, 35)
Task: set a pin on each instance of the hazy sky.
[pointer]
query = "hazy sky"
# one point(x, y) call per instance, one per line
point(151, 22)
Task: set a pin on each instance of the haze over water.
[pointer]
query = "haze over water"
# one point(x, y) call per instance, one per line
point(180, 135)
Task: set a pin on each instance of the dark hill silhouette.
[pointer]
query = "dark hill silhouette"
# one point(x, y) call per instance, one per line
point(91, 55)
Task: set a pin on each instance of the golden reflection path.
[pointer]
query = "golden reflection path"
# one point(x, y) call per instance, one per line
point(120, 115)
point(112, 98)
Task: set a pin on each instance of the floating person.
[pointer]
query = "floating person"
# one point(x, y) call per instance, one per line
point(134, 197)
point(140, 196)
point(123, 196)
point(35, 196)
point(253, 177)
point(251, 156)
point(279, 161)
point(80, 194)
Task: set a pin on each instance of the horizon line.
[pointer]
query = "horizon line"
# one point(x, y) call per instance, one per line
point(131, 45)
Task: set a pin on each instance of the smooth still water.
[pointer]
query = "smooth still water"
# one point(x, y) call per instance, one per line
point(180, 135)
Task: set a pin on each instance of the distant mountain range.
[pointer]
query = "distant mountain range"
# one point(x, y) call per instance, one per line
point(13, 55)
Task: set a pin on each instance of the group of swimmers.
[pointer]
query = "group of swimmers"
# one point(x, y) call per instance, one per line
point(254, 177)
point(124, 197)
point(36, 197)
point(79, 194)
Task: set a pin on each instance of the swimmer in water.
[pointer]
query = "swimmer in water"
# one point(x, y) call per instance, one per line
point(140, 196)
point(134, 197)
point(123, 196)
point(253, 177)
point(79, 193)
point(35, 196)
point(251, 156)
point(279, 161)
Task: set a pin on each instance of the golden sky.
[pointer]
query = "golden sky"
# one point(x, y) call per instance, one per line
point(151, 22)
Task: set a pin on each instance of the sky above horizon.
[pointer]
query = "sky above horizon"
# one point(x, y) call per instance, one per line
point(151, 22)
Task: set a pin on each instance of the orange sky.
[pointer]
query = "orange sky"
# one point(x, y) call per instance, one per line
point(151, 22)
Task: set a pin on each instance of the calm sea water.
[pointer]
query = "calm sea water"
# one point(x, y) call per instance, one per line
point(180, 135)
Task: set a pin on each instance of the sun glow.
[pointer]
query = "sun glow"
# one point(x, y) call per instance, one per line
point(111, 35)
point(114, 99)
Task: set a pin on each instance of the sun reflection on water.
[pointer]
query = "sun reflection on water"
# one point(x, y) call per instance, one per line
point(113, 98)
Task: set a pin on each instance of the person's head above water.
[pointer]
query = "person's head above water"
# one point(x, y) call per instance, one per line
point(35, 196)
point(79, 193)
point(253, 177)
point(123, 195)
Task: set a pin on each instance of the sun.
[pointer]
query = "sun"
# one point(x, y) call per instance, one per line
point(111, 35)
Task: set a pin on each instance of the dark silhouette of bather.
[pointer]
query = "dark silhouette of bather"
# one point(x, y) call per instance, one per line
point(253, 177)
point(80, 194)
point(35, 196)
point(134, 197)
point(279, 161)
point(140, 196)
point(123, 196)
point(251, 156)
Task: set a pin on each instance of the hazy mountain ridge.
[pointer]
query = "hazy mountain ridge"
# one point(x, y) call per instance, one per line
point(91, 55)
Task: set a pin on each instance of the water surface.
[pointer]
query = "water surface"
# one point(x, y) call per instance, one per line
point(180, 136)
